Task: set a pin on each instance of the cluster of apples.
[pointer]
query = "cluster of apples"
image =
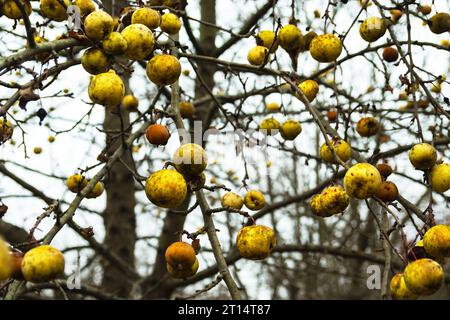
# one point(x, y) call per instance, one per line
point(373, 28)
point(327, 48)
point(77, 182)
point(323, 48)
point(135, 41)
point(423, 156)
point(363, 180)
point(41, 264)
point(289, 130)
point(254, 242)
point(424, 275)
point(168, 188)
point(132, 38)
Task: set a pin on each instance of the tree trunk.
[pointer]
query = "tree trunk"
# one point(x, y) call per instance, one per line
point(119, 215)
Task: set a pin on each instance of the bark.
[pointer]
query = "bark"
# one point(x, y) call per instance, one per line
point(365, 239)
point(206, 112)
point(119, 215)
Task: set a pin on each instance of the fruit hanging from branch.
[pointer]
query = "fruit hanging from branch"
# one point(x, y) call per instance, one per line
point(232, 200)
point(385, 170)
point(325, 48)
point(166, 188)
point(157, 134)
point(308, 38)
point(423, 277)
point(163, 69)
point(86, 6)
point(97, 191)
point(368, 126)
point(180, 256)
point(269, 126)
point(399, 290)
point(190, 159)
point(290, 129)
point(11, 9)
point(273, 106)
point(423, 156)
point(42, 264)
point(362, 181)
point(54, 9)
point(187, 110)
point(387, 191)
point(372, 29)
point(440, 23)
point(170, 23)
point(130, 103)
point(77, 182)
point(396, 15)
point(146, 16)
point(5, 261)
point(95, 61)
point(98, 25)
point(254, 200)
point(310, 88)
point(390, 54)
point(140, 41)
point(6, 130)
point(341, 148)
point(258, 55)
point(268, 39)
point(425, 9)
point(440, 177)
point(334, 200)
point(332, 115)
point(436, 241)
point(255, 242)
point(107, 89)
point(115, 44)
point(291, 38)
